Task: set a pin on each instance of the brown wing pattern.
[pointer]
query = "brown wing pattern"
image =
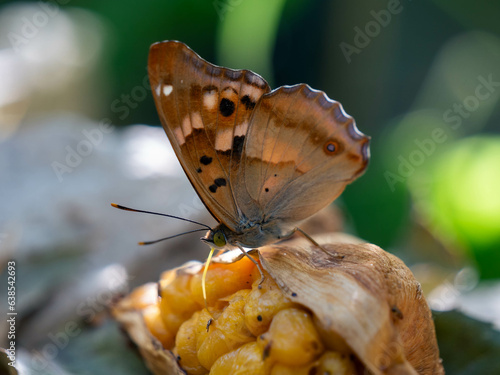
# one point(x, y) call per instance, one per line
point(301, 152)
point(205, 111)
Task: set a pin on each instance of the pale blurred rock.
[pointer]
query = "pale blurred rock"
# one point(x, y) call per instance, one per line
point(58, 178)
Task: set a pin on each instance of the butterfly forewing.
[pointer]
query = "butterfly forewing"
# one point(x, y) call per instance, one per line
point(205, 111)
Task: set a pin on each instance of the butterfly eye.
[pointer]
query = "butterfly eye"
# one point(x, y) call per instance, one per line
point(331, 147)
point(219, 239)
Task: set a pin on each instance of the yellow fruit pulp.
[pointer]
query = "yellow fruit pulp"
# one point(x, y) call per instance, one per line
point(247, 330)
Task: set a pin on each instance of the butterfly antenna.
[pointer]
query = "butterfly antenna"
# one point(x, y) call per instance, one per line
point(169, 237)
point(159, 214)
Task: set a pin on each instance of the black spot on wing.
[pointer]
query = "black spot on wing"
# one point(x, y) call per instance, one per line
point(198, 170)
point(220, 181)
point(249, 104)
point(238, 144)
point(226, 107)
point(205, 160)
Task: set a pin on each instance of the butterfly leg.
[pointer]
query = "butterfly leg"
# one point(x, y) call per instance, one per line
point(262, 277)
point(317, 244)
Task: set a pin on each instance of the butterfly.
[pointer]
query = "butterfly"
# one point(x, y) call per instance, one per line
point(261, 160)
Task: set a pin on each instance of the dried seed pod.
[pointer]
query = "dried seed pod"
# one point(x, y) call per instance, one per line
point(353, 310)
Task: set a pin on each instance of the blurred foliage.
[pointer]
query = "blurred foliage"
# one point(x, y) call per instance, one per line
point(252, 46)
point(471, 224)
point(467, 346)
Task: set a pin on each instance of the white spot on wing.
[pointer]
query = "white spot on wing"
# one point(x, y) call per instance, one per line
point(167, 89)
point(196, 121)
point(210, 99)
point(158, 90)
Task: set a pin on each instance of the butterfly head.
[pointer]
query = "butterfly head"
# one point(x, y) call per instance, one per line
point(218, 238)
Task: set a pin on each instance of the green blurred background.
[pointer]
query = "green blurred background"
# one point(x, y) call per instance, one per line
point(422, 78)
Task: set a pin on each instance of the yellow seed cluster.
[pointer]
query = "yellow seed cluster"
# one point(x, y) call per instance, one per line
point(247, 329)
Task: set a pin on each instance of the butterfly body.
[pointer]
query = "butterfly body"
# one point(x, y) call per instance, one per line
point(261, 161)
point(252, 235)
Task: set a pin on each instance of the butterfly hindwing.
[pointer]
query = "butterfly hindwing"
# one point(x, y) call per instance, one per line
point(301, 152)
point(205, 111)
